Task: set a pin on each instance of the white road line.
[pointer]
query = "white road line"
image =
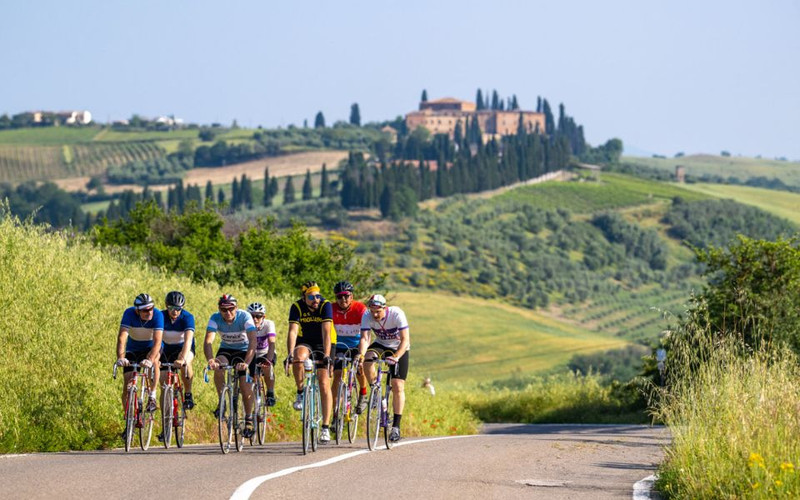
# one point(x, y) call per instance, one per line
point(247, 488)
point(642, 488)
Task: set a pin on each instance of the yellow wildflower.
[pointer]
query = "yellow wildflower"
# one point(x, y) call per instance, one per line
point(778, 482)
point(787, 467)
point(755, 485)
point(756, 459)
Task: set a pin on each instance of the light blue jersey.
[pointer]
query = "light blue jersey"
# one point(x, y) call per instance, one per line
point(234, 334)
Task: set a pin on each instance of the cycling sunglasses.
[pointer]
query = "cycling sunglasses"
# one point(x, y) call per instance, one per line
point(314, 296)
point(174, 308)
point(342, 295)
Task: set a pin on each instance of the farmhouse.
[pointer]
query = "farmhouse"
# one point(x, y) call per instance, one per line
point(62, 117)
point(441, 116)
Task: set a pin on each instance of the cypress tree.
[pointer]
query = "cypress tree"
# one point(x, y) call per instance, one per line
point(157, 196)
point(514, 103)
point(209, 192)
point(307, 190)
point(324, 188)
point(267, 199)
point(479, 100)
point(288, 191)
point(495, 100)
point(386, 201)
point(220, 196)
point(549, 122)
point(424, 97)
point(273, 189)
point(236, 198)
point(246, 191)
point(172, 202)
point(180, 196)
point(319, 120)
point(355, 115)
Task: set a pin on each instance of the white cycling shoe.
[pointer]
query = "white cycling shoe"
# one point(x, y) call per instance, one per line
point(325, 436)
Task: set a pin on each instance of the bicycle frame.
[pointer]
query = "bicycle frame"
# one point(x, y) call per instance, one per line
point(311, 414)
point(173, 416)
point(343, 413)
point(135, 415)
point(261, 412)
point(231, 419)
point(380, 400)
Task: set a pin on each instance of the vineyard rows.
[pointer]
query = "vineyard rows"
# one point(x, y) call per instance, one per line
point(23, 163)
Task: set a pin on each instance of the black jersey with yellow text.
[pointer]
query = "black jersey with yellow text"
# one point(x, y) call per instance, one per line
point(311, 321)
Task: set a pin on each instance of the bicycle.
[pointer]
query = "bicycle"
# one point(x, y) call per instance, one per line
point(311, 415)
point(343, 407)
point(173, 414)
point(136, 414)
point(231, 414)
point(263, 415)
point(380, 402)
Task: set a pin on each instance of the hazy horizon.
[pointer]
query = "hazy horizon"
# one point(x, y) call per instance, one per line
point(665, 78)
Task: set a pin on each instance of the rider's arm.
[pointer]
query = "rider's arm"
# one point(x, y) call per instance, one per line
point(122, 340)
point(188, 337)
point(271, 338)
point(251, 347)
point(291, 338)
point(405, 340)
point(208, 350)
point(155, 351)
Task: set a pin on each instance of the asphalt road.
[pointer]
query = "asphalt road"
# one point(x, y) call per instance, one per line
point(505, 461)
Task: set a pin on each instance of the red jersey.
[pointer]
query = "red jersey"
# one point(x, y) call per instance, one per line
point(348, 323)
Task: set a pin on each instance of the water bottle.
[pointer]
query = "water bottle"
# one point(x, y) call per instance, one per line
point(383, 405)
point(308, 365)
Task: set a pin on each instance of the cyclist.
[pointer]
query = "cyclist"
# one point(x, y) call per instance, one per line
point(311, 322)
point(238, 348)
point(347, 314)
point(391, 333)
point(139, 341)
point(179, 346)
point(265, 345)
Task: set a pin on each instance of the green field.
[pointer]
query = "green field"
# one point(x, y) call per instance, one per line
point(466, 339)
point(610, 192)
point(781, 203)
point(726, 166)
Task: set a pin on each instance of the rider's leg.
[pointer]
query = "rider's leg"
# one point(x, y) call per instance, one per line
point(325, 393)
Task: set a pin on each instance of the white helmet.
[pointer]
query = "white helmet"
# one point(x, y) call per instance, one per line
point(256, 307)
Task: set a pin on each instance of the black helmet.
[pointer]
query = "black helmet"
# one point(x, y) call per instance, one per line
point(143, 301)
point(226, 300)
point(175, 299)
point(343, 286)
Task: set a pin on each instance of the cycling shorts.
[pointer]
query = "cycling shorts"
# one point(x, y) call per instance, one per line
point(233, 356)
point(402, 364)
point(135, 357)
point(262, 359)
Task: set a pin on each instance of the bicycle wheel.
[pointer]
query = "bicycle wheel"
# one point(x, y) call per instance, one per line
point(351, 417)
point(340, 411)
point(167, 415)
point(307, 404)
point(131, 414)
point(374, 416)
point(388, 416)
point(179, 422)
point(316, 423)
point(149, 418)
point(225, 421)
point(260, 410)
point(238, 422)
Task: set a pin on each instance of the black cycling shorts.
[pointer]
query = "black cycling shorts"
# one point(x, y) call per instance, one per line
point(262, 359)
point(135, 357)
point(233, 356)
point(170, 352)
point(402, 364)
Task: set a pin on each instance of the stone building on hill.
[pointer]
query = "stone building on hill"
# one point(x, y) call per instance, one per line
point(442, 115)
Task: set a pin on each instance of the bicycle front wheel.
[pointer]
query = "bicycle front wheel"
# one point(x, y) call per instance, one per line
point(307, 404)
point(316, 423)
point(388, 416)
point(340, 411)
point(260, 410)
point(179, 422)
point(238, 421)
point(351, 417)
point(225, 421)
point(374, 416)
point(149, 418)
point(167, 415)
point(131, 415)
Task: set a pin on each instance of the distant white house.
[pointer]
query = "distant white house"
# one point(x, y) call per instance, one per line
point(169, 121)
point(64, 117)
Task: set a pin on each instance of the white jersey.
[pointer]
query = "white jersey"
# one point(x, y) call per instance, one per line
point(386, 332)
point(263, 334)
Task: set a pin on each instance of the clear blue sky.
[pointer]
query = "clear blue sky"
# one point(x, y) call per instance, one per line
point(664, 76)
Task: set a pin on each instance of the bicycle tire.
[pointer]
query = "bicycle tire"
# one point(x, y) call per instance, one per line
point(373, 416)
point(387, 417)
point(180, 421)
point(167, 415)
point(238, 422)
point(339, 411)
point(225, 421)
point(306, 419)
point(351, 417)
point(316, 425)
point(149, 418)
point(261, 411)
point(131, 413)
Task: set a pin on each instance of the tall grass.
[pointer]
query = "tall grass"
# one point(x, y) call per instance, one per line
point(734, 415)
point(62, 301)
